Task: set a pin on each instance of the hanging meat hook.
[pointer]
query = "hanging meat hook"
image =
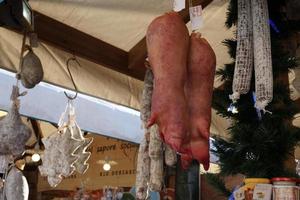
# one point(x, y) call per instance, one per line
point(68, 68)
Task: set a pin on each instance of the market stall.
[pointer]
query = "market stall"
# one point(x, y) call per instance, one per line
point(107, 99)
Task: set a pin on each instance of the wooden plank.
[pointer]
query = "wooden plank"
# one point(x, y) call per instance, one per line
point(83, 45)
point(95, 50)
point(37, 130)
point(138, 53)
point(187, 185)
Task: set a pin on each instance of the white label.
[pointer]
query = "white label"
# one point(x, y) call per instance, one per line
point(196, 17)
point(239, 194)
point(285, 192)
point(178, 5)
point(262, 192)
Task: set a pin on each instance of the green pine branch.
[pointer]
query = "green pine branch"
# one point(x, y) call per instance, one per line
point(218, 183)
point(231, 17)
point(258, 148)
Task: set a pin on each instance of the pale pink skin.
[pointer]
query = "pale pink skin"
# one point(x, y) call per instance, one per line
point(199, 89)
point(168, 60)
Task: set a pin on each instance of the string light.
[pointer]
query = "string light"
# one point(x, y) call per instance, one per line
point(35, 157)
point(106, 166)
point(232, 109)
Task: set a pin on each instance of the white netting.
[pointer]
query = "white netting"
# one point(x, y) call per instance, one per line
point(65, 150)
point(262, 54)
point(244, 51)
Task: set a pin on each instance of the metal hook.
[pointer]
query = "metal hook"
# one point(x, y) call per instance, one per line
point(68, 68)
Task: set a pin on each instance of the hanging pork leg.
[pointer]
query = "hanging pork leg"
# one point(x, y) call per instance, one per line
point(167, 45)
point(199, 88)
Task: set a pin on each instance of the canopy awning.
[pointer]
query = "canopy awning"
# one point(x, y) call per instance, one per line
point(119, 23)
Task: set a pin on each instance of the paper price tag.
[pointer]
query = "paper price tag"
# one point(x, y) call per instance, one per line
point(262, 192)
point(178, 5)
point(239, 194)
point(196, 17)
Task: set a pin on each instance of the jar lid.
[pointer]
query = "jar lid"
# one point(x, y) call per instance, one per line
point(256, 180)
point(287, 179)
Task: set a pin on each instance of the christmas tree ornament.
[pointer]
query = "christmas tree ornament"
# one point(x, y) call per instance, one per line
point(262, 54)
point(244, 51)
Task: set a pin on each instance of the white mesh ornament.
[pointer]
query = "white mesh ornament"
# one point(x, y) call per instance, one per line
point(244, 51)
point(262, 54)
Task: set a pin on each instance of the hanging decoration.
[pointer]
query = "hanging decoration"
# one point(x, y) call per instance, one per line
point(244, 53)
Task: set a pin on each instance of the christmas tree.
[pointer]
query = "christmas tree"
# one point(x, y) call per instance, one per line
point(259, 144)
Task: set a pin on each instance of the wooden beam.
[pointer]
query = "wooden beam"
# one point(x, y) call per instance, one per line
point(138, 53)
point(37, 130)
point(187, 185)
point(81, 44)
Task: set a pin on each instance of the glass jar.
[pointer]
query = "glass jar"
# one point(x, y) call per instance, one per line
point(250, 185)
point(285, 188)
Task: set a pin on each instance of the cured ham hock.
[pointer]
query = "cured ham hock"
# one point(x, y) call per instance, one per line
point(183, 69)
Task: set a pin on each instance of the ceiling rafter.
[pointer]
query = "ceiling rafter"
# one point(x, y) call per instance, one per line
point(138, 53)
point(81, 44)
point(95, 50)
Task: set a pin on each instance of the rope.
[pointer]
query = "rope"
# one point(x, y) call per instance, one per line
point(234, 96)
point(261, 105)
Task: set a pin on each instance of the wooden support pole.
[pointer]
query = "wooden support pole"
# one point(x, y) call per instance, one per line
point(187, 181)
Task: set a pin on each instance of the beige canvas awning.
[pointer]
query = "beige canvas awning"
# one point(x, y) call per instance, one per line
point(121, 24)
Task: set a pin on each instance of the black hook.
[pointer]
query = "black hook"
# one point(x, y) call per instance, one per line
point(68, 61)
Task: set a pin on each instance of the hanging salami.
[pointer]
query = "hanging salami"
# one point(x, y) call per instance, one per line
point(244, 51)
point(262, 54)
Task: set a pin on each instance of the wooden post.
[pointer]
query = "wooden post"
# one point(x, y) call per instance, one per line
point(187, 182)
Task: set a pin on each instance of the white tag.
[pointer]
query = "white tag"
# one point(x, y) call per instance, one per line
point(178, 5)
point(239, 194)
point(196, 17)
point(262, 192)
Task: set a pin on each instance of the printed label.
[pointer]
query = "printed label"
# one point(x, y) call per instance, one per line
point(196, 17)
